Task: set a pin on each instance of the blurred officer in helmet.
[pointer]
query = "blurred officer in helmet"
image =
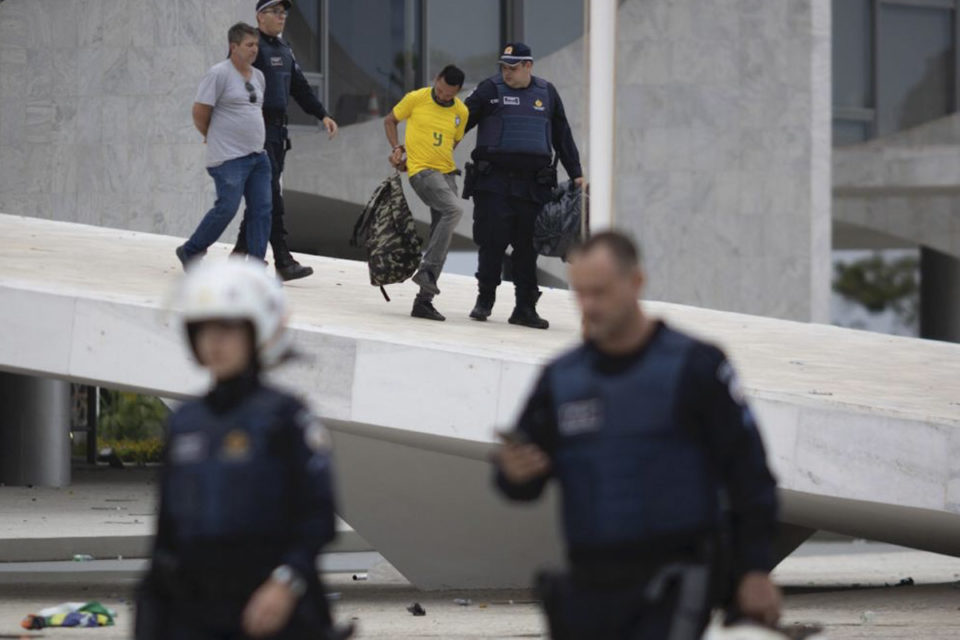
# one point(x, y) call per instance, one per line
point(246, 492)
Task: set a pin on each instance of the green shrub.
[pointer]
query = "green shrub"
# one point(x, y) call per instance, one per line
point(130, 416)
point(139, 452)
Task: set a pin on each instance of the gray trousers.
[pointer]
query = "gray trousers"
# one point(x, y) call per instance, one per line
point(439, 192)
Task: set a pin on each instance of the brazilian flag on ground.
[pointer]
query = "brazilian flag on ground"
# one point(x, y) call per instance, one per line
point(71, 614)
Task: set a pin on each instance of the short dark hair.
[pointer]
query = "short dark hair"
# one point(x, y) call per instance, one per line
point(452, 75)
point(621, 246)
point(240, 30)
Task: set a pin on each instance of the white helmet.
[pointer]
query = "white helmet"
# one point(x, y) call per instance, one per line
point(237, 289)
point(749, 631)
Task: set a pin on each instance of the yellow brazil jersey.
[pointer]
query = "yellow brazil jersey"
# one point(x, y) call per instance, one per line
point(432, 130)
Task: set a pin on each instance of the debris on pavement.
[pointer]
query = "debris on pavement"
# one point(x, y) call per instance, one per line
point(416, 609)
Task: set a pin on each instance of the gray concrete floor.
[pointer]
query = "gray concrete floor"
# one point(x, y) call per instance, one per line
point(838, 585)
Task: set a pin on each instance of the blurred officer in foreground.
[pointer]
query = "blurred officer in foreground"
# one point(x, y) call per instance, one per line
point(668, 505)
point(284, 79)
point(521, 122)
point(246, 492)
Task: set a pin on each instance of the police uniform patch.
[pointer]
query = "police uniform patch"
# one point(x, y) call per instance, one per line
point(538, 105)
point(508, 50)
point(276, 61)
point(581, 416)
point(315, 435)
point(187, 448)
point(235, 446)
point(513, 100)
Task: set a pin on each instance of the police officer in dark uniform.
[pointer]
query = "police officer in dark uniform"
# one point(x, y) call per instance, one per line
point(669, 507)
point(521, 123)
point(284, 78)
point(246, 492)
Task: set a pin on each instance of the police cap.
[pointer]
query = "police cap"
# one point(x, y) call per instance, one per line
point(266, 4)
point(515, 53)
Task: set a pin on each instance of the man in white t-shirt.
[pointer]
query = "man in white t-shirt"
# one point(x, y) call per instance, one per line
point(228, 113)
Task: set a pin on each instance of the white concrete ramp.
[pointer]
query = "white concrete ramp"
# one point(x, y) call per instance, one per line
point(863, 430)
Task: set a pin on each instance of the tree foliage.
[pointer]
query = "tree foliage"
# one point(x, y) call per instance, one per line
point(879, 284)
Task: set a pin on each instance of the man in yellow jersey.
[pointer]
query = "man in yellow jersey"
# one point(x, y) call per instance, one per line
point(436, 121)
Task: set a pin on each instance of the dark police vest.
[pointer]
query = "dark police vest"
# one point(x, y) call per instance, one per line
point(628, 471)
point(517, 134)
point(275, 60)
point(227, 474)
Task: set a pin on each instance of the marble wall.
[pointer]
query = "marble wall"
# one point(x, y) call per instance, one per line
point(95, 99)
point(723, 163)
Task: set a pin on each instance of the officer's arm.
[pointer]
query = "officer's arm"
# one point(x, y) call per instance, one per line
point(304, 95)
point(538, 426)
point(731, 435)
point(478, 102)
point(314, 524)
point(562, 135)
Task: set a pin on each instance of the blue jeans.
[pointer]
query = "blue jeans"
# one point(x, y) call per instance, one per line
point(247, 177)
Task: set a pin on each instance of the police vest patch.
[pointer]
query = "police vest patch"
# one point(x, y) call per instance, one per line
point(580, 416)
point(276, 61)
point(188, 448)
point(512, 100)
point(235, 446)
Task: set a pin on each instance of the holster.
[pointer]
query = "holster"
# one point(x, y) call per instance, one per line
point(469, 180)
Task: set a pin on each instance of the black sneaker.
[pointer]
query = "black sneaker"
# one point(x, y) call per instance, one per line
point(186, 260)
point(293, 271)
point(526, 316)
point(483, 308)
point(426, 281)
point(426, 310)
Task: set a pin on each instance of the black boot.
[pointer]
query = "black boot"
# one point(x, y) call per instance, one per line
point(287, 267)
point(484, 306)
point(525, 313)
point(425, 309)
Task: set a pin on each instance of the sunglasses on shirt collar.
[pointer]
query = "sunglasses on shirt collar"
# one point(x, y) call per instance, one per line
point(253, 94)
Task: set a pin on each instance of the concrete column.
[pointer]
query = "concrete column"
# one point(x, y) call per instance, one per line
point(34, 431)
point(939, 296)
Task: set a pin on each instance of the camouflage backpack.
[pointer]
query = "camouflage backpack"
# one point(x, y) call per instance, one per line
point(386, 231)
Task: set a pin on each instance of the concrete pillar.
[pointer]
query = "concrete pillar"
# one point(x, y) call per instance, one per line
point(34, 431)
point(939, 296)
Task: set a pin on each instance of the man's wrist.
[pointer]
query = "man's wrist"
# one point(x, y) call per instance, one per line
point(286, 575)
point(398, 146)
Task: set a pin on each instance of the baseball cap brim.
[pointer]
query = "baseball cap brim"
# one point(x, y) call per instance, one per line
point(515, 60)
point(286, 4)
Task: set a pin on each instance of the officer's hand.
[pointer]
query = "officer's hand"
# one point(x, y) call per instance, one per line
point(758, 598)
point(521, 463)
point(269, 609)
point(331, 126)
point(580, 182)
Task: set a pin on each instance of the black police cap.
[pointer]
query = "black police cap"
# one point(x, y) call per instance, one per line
point(515, 53)
point(266, 4)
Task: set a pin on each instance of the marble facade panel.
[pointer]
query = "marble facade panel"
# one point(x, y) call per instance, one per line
point(64, 170)
point(114, 120)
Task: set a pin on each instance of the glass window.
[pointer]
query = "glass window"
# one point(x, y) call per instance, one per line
point(465, 33)
point(852, 52)
point(916, 66)
point(550, 25)
point(374, 50)
point(303, 33)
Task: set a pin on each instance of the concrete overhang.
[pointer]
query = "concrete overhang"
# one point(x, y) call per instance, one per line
point(862, 429)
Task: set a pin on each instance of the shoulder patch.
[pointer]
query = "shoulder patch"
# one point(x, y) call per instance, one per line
point(729, 377)
point(315, 435)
